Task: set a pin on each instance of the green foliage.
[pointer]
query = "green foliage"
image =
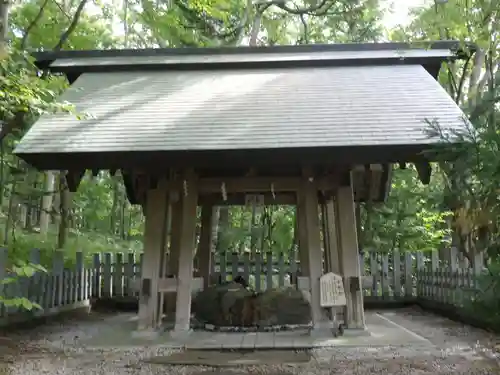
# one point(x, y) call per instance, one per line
point(20, 269)
point(485, 305)
point(88, 243)
point(23, 94)
point(411, 219)
point(91, 31)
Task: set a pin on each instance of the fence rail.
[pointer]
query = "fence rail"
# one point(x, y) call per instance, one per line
point(387, 276)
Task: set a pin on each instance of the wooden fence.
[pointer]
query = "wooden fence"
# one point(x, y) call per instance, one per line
point(387, 276)
point(55, 291)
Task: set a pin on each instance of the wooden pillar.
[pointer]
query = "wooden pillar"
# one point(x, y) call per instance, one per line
point(205, 246)
point(302, 237)
point(354, 316)
point(164, 260)
point(331, 230)
point(173, 253)
point(189, 202)
point(326, 241)
point(154, 240)
point(309, 220)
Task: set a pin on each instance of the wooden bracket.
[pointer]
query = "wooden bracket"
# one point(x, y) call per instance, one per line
point(128, 181)
point(73, 179)
point(424, 171)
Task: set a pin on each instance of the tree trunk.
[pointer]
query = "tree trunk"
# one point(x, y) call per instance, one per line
point(253, 232)
point(477, 67)
point(123, 215)
point(56, 202)
point(113, 213)
point(65, 200)
point(4, 27)
point(9, 223)
point(47, 200)
point(215, 227)
point(222, 235)
point(243, 238)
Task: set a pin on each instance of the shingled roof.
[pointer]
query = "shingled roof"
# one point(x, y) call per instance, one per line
point(365, 103)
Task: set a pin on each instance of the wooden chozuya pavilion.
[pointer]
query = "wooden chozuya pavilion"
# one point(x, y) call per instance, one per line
point(318, 126)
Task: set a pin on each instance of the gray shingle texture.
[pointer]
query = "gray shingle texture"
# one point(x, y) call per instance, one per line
point(246, 109)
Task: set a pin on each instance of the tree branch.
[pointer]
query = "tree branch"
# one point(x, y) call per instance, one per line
point(62, 10)
point(307, 10)
point(33, 23)
point(305, 30)
point(460, 88)
point(72, 26)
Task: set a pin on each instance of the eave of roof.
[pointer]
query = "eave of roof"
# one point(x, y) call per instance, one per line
point(91, 60)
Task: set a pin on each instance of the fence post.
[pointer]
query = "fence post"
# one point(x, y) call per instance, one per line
point(235, 265)
point(453, 274)
point(269, 270)
point(117, 290)
point(222, 267)
point(374, 272)
point(478, 268)
point(106, 275)
point(281, 269)
point(212, 268)
point(80, 277)
point(409, 274)
point(57, 274)
point(396, 269)
point(292, 265)
point(385, 276)
point(422, 280)
point(35, 285)
point(129, 272)
point(139, 266)
point(246, 266)
point(434, 274)
point(258, 271)
point(96, 283)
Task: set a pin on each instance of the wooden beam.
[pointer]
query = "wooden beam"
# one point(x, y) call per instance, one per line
point(166, 284)
point(238, 199)
point(261, 184)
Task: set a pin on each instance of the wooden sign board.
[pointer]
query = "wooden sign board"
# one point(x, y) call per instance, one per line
point(332, 290)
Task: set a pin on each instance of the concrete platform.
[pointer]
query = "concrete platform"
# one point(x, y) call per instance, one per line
point(381, 331)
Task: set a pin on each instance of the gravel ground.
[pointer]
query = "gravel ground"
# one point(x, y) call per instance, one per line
point(55, 348)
